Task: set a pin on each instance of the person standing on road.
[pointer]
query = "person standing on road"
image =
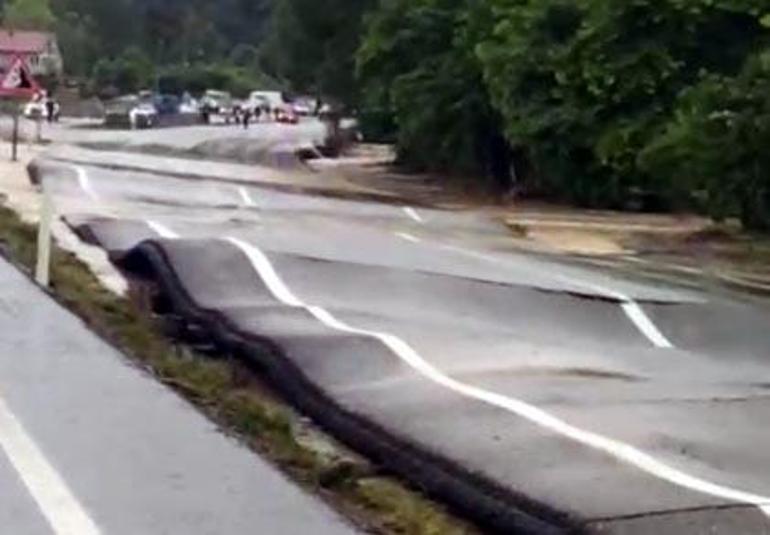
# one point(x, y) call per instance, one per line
point(246, 117)
point(50, 108)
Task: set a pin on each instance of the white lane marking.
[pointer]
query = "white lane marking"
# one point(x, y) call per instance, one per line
point(614, 448)
point(61, 509)
point(408, 237)
point(468, 252)
point(85, 183)
point(162, 230)
point(630, 308)
point(643, 322)
point(412, 213)
point(246, 198)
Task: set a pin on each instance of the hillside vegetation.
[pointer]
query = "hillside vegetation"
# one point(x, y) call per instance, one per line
point(643, 104)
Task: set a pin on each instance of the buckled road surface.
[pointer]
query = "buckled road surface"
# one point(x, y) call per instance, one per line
point(531, 393)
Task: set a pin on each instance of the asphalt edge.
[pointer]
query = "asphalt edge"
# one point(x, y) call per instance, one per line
point(361, 195)
point(474, 496)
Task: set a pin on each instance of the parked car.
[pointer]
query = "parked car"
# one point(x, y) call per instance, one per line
point(219, 103)
point(166, 104)
point(287, 115)
point(36, 109)
point(188, 105)
point(143, 115)
point(274, 99)
point(130, 111)
point(304, 106)
point(273, 104)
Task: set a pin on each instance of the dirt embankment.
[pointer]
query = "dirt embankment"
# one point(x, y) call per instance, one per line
point(681, 246)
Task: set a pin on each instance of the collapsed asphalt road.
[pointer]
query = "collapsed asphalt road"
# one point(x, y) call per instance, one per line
point(531, 394)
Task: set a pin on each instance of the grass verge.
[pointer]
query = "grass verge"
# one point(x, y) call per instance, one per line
point(235, 398)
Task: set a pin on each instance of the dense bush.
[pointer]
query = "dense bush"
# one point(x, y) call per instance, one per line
point(418, 61)
point(608, 102)
point(127, 73)
point(586, 85)
point(198, 78)
point(604, 102)
point(311, 44)
point(716, 145)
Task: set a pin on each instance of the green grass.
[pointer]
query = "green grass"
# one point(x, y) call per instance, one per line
point(234, 398)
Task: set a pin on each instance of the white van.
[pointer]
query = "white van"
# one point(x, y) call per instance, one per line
point(274, 99)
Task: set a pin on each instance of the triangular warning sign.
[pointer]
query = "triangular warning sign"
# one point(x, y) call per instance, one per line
point(18, 80)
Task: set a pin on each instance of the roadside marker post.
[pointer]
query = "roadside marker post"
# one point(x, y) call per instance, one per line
point(39, 128)
point(43, 268)
point(15, 135)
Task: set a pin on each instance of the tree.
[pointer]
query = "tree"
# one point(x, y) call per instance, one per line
point(312, 45)
point(77, 45)
point(418, 61)
point(28, 15)
point(586, 85)
point(716, 144)
point(128, 73)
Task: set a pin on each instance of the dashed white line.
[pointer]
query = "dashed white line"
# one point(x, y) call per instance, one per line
point(412, 213)
point(408, 237)
point(85, 183)
point(248, 201)
point(618, 450)
point(630, 308)
point(162, 230)
point(61, 509)
point(643, 322)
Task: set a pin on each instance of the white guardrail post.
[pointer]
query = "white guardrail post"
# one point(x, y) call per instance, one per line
point(42, 270)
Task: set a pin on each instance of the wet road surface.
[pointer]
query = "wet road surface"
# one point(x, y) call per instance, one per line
point(91, 445)
point(628, 407)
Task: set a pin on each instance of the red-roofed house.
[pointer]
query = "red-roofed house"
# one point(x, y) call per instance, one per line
point(39, 49)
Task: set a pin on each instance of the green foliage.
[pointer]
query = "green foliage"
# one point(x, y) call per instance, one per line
point(418, 61)
point(128, 73)
point(716, 145)
point(170, 33)
point(28, 15)
point(585, 86)
point(75, 33)
point(198, 78)
point(602, 101)
point(312, 44)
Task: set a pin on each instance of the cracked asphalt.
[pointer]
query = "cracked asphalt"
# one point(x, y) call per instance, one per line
point(624, 406)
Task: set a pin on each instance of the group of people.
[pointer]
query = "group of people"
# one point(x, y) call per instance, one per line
point(245, 115)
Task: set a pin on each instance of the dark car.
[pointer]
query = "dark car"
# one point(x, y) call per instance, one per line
point(166, 104)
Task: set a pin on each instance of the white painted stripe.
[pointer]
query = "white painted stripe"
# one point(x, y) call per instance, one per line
point(268, 273)
point(85, 183)
point(408, 237)
point(645, 325)
point(246, 198)
point(631, 308)
point(59, 506)
point(411, 212)
point(618, 450)
point(162, 230)
point(633, 311)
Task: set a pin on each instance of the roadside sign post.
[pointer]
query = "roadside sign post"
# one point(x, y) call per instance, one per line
point(39, 128)
point(43, 267)
point(18, 84)
point(15, 135)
